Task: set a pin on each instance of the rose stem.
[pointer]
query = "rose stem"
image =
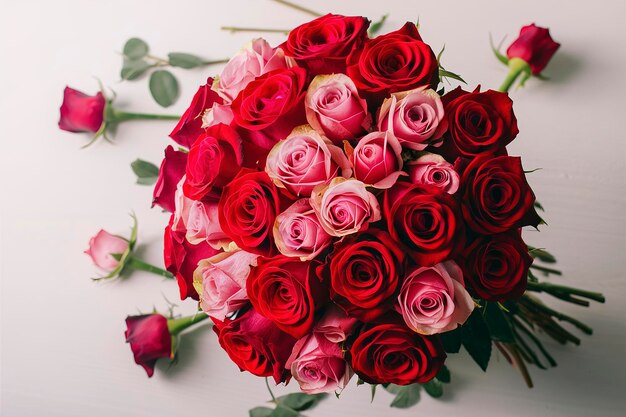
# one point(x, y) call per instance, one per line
point(234, 29)
point(135, 263)
point(298, 7)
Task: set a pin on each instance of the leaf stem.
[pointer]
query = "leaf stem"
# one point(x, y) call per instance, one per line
point(138, 264)
point(117, 116)
point(267, 384)
point(234, 29)
point(298, 7)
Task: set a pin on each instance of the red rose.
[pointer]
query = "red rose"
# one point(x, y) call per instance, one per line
point(496, 266)
point(391, 353)
point(170, 173)
point(286, 291)
point(535, 46)
point(214, 160)
point(322, 45)
point(149, 339)
point(397, 61)
point(256, 345)
point(365, 274)
point(425, 219)
point(496, 196)
point(189, 126)
point(479, 122)
point(247, 210)
point(81, 112)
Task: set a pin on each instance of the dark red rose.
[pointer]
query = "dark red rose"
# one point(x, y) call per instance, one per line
point(214, 159)
point(149, 339)
point(479, 122)
point(496, 196)
point(247, 210)
point(288, 292)
point(181, 258)
point(322, 45)
point(189, 126)
point(397, 61)
point(256, 345)
point(365, 274)
point(81, 112)
point(496, 266)
point(535, 46)
point(391, 353)
point(170, 173)
point(425, 220)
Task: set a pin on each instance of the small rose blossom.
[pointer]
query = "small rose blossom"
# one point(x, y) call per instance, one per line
point(434, 300)
point(334, 108)
point(344, 206)
point(150, 340)
point(535, 46)
point(335, 325)
point(81, 112)
point(415, 117)
point(298, 232)
point(432, 169)
point(376, 160)
point(101, 248)
point(171, 171)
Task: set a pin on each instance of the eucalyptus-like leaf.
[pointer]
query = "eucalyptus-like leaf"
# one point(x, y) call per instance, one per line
point(135, 48)
point(134, 68)
point(146, 172)
point(283, 411)
point(434, 388)
point(183, 60)
point(444, 375)
point(376, 26)
point(261, 412)
point(406, 396)
point(300, 401)
point(163, 87)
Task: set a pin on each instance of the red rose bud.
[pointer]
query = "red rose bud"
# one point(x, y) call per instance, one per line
point(170, 173)
point(535, 46)
point(149, 339)
point(81, 112)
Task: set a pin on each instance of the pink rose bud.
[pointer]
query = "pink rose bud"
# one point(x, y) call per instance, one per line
point(170, 173)
point(149, 339)
point(81, 112)
point(101, 248)
point(221, 282)
point(305, 160)
point(298, 232)
point(434, 300)
point(414, 117)
point(432, 169)
point(318, 365)
point(335, 325)
point(334, 108)
point(219, 113)
point(344, 206)
point(535, 46)
point(376, 160)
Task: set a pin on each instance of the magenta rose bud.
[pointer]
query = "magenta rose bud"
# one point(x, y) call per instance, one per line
point(432, 169)
point(81, 112)
point(376, 160)
point(535, 46)
point(171, 171)
point(103, 246)
point(149, 339)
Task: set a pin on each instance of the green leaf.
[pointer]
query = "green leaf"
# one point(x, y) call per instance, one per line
point(434, 388)
point(541, 254)
point(261, 412)
point(498, 324)
point(183, 60)
point(448, 74)
point(164, 87)
point(496, 51)
point(135, 48)
point(476, 339)
point(147, 173)
point(373, 388)
point(282, 411)
point(376, 26)
point(451, 341)
point(444, 375)
point(406, 396)
point(134, 68)
point(300, 401)
point(538, 206)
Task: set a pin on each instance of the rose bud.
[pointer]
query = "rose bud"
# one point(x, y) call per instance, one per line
point(535, 46)
point(318, 365)
point(414, 117)
point(305, 160)
point(376, 160)
point(170, 173)
point(81, 112)
point(434, 300)
point(334, 108)
point(432, 169)
point(298, 232)
point(344, 206)
point(221, 282)
point(106, 250)
point(335, 325)
point(391, 353)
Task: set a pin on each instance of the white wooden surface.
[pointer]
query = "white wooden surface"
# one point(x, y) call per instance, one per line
point(63, 350)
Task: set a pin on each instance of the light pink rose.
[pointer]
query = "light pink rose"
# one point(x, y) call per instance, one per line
point(221, 282)
point(218, 113)
point(305, 160)
point(334, 108)
point(335, 325)
point(415, 117)
point(297, 232)
point(376, 160)
point(102, 246)
point(244, 67)
point(344, 206)
point(434, 300)
point(432, 169)
point(318, 365)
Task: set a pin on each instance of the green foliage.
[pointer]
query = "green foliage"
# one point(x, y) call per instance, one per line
point(476, 339)
point(451, 340)
point(183, 60)
point(135, 48)
point(376, 26)
point(163, 87)
point(147, 173)
point(434, 388)
point(498, 323)
point(444, 375)
point(133, 68)
point(405, 395)
point(300, 401)
point(261, 412)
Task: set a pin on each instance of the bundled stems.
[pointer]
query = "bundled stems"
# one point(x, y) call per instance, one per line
point(566, 293)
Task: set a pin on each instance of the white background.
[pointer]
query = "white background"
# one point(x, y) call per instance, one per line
point(63, 350)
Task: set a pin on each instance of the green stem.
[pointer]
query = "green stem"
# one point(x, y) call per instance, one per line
point(267, 384)
point(560, 316)
point(560, 289)
point(135, 263)
point(242, 29)
point(117, 116)
point(546, 270)
point(215, 62)
point(517, 66)
point(298, 7)
point(176, 326)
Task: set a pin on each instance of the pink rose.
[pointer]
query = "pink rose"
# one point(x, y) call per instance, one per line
point(335, 325)
point(298, 232)
point(318, 365)
point(376, 160)
point(344, 206)
point(434, 300)
point(432, 169)
point(221, 282)
point(415, 117)
point(244, 67)
point(171, 171)
point(101, 248)
point(305, 160)
point(219, 113)
point(334, 108)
